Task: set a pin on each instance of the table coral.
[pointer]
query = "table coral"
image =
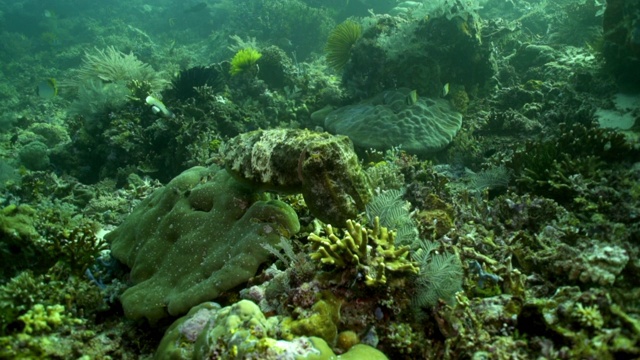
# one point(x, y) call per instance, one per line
point(371, 251)
point(323, 167)
point(391, 119)
point(195, 238)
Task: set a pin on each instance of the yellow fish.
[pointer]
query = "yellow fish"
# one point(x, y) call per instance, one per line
point(47, 88)
point(412, 98)
point(445, 90)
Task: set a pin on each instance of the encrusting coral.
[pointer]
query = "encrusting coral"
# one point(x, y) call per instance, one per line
point(371, 251)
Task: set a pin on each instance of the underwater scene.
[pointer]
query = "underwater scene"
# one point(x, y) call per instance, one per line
point(320, 179)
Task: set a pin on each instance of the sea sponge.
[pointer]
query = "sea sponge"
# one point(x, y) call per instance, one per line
point(244, 61)
point(321, 321)
point(195, 238)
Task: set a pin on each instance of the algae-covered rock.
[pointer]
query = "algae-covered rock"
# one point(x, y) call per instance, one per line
point(397, 118)
point(241, 331)
point(193, 239)
point(323, 167)
point(34, 156)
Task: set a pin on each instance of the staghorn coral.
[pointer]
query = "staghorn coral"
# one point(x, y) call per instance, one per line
point(371, 251)
point(43, 319)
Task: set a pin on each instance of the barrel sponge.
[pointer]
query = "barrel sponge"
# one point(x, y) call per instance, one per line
point(393, 118)
point(195, 238)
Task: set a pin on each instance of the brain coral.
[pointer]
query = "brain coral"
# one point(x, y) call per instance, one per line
point(392, 118)
point(193, 239)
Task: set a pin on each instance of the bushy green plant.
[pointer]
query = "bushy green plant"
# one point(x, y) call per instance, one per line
point(394, 214)
point(71, 240)
point(112, 66)
point(95, 98)
point(244, 61)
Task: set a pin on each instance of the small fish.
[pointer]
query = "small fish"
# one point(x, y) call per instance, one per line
point(445, 90)
point(412, 97)
point(47, 89)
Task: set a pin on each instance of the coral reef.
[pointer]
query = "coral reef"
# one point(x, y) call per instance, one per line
point(242, 331)
point(423, 53)
point(509, 235)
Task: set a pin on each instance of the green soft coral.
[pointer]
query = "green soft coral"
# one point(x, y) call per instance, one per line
point(322, 320)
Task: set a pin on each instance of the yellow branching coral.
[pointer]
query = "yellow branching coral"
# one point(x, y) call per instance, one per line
point(371, 251)
point(44, 319)
point(340, 42)
point(244, 60)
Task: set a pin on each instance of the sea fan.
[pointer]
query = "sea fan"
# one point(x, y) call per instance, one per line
point(340, 42)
